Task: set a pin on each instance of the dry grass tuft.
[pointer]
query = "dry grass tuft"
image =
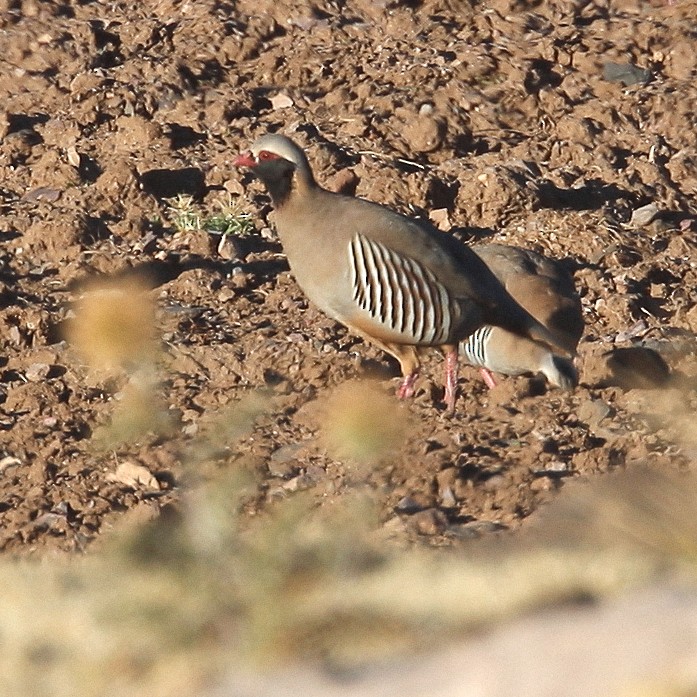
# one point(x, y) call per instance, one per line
point(114, 326)
point(361, 422)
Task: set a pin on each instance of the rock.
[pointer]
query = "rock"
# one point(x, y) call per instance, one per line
point(283, 461)
point(37, 372)
point(475, 529)
point(593, 411)
point(636, 367)
point(644, 215)
point(281, 101)
point(408, 505)
point(626, 73)
point(424, 134)
point(430, 521)
point(446, 480)
point(134, 476)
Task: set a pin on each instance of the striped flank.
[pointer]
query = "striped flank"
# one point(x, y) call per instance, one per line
point(475, 346)
point(399, 293)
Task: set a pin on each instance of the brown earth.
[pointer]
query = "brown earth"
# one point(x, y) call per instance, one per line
point(509, 121)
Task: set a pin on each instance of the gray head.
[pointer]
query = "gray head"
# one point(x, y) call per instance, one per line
point(279, 163)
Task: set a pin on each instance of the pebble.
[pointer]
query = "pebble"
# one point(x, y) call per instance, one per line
point(541, 484)
point(429, 522)
point(476, 528)
point(447, 498)
point(299, 483)
point(283, 461)
point(424, 134)
point(626, 73)
point(9, 461)
point(37, 372)
point(407, 504)
point(394, 526)
point(644, 215)
point(190, 429)
point(593, 411)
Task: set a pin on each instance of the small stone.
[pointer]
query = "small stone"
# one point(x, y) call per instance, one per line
point(233, 186)
point(37, 372)
point(239, 280)
point(445, 480)
point(344, 182)
point(475, 529)
point(230, 247)
point(593, 411)
point(626, 73)
point(447, 498)
point(134, 476)
point(73, 156)
point(394, 526)
point(440, 218)
point(276, 493)
point(190, 429)
point(408, 505)
point(429, 522)
point(424, 134)
point(299, 483)
point(494, 483)
point(644, 215)
point(9, 461)
point(225, 294)
point(283, 462)
point(541, 484)
point(281, 101)
point(42, 193)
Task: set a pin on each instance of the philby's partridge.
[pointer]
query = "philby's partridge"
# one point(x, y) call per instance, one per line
point(393, 280)
point(546, 290)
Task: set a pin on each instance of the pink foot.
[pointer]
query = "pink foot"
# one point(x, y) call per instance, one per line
point(450, 379)
point(406, 387)
point(488, 378)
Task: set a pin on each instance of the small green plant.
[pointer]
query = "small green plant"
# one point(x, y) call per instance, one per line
point(183, 213)
point(231, 218)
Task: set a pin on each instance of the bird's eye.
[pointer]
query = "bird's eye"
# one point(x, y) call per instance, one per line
point(266, 155)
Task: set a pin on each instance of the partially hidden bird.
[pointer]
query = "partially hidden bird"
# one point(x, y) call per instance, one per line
point(546, 290)
point(393, 280)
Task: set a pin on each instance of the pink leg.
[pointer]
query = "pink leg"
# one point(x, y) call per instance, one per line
point(450, 378)
point(406, 387)
point(488, 378)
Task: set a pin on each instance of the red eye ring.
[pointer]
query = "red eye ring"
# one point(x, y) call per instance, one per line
point(266, 155)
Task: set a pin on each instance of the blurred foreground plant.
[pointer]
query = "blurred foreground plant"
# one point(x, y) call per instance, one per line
point(114, 329)
point(362, 423)
point(114, 326)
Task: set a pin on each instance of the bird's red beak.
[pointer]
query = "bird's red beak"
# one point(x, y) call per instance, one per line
point(244, 159)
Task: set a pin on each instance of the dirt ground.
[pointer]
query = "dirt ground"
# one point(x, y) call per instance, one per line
point(545, 125)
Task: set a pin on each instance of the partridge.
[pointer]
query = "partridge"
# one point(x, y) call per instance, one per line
point(546, 290)
point(394, 280)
